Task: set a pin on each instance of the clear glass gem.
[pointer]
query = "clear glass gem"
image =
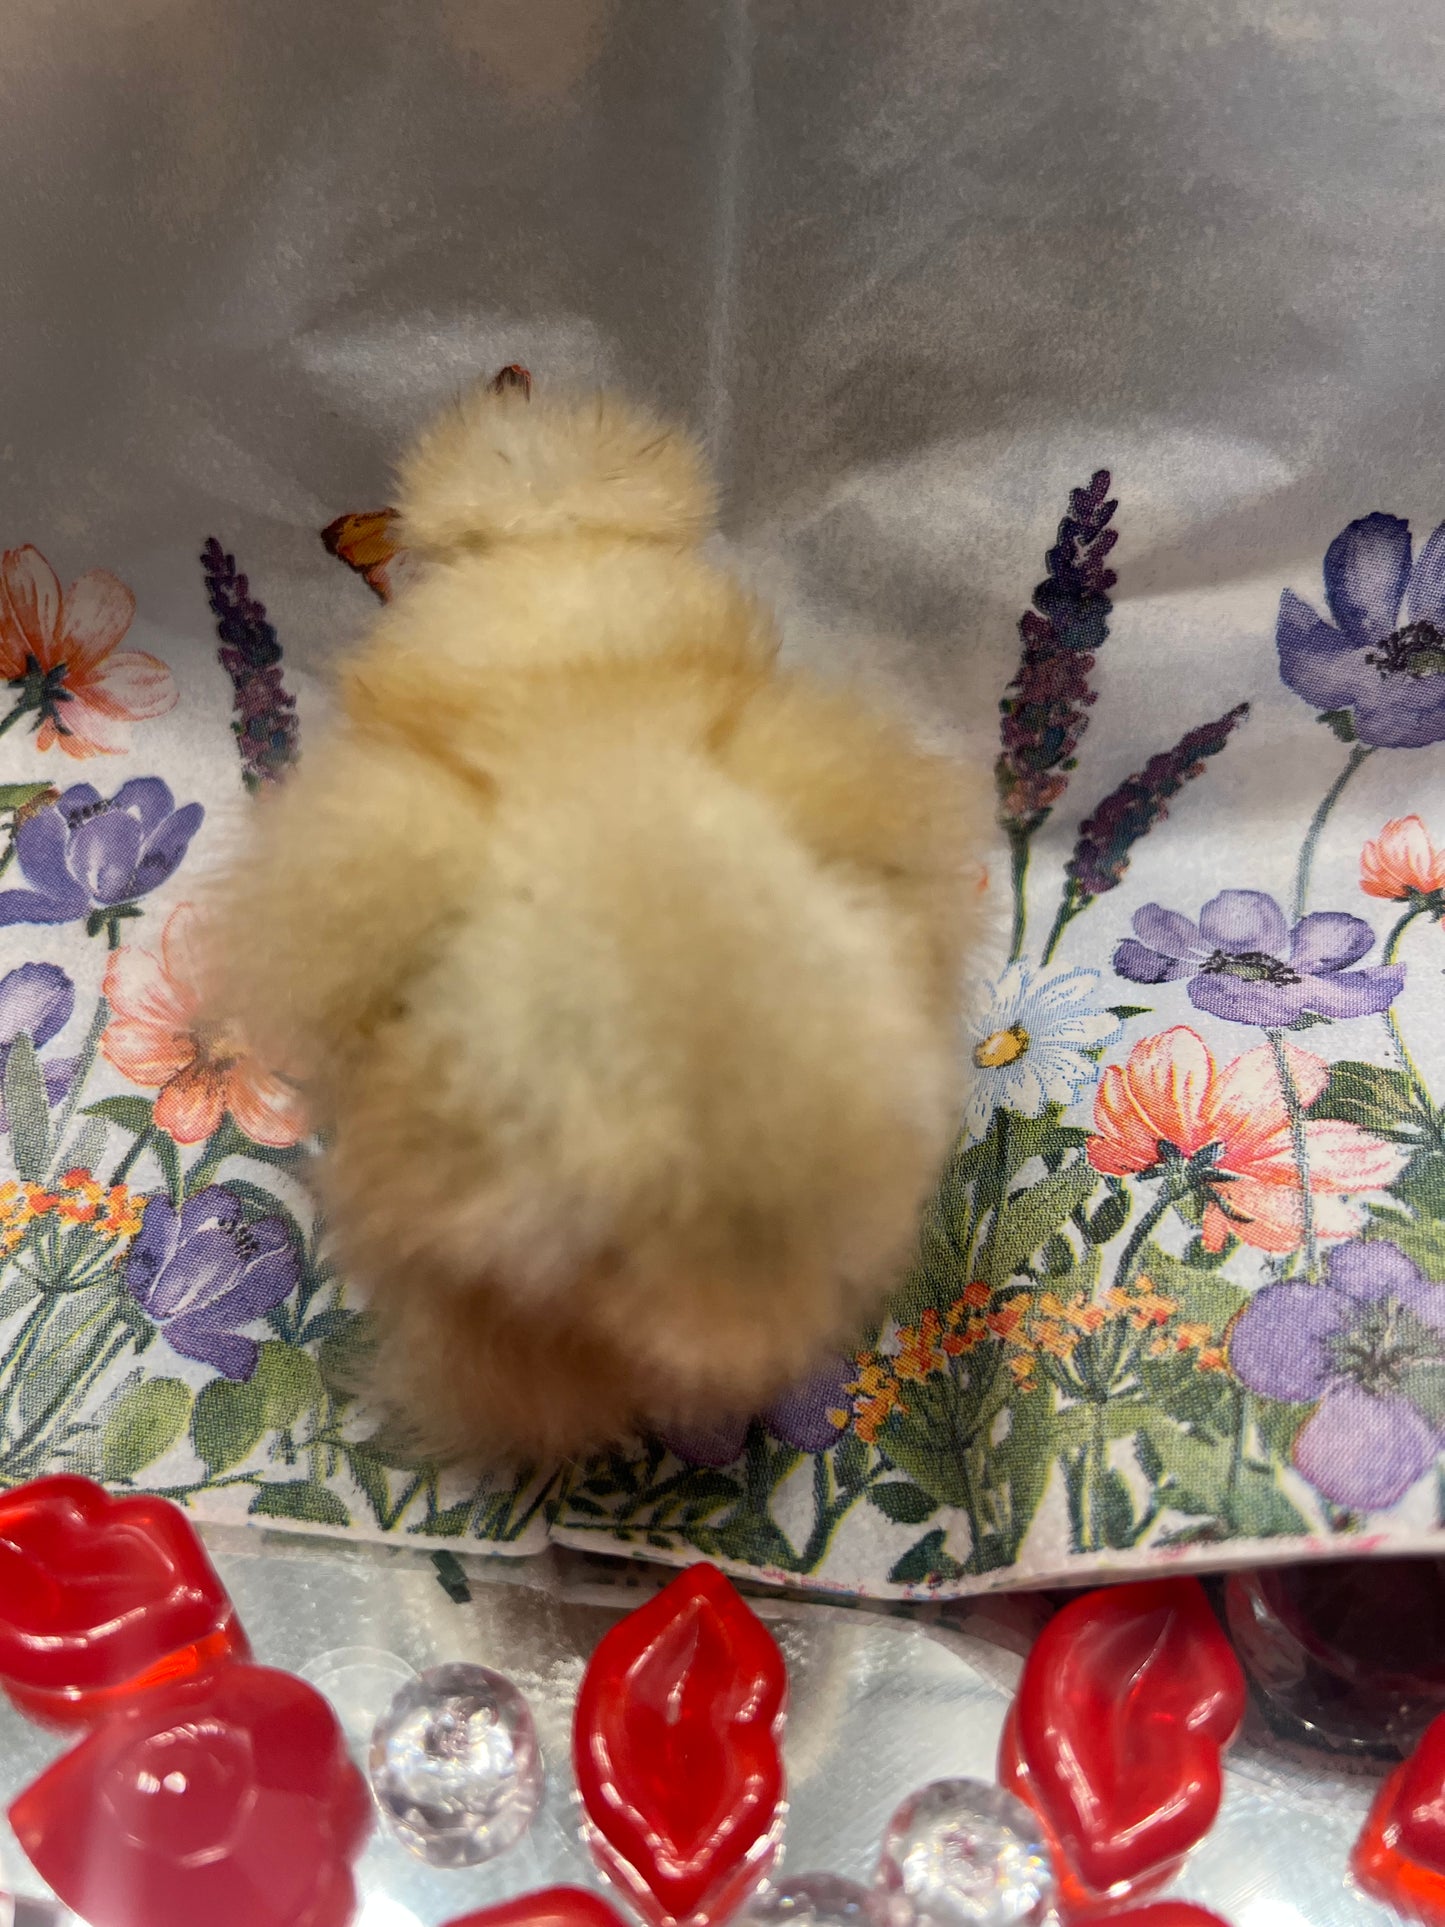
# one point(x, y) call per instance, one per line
point(455, 1765)
point(815, 1900)
point(963, 1853)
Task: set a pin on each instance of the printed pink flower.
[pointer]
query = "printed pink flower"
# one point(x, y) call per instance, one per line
point(1402, 862)
point(158, 1037)
point(60, 651)
point(1171, 1105)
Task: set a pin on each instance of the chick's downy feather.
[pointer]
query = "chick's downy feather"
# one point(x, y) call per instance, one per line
point(619, 965)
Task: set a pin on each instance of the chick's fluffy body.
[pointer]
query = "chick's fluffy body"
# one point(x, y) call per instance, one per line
point(619, 966)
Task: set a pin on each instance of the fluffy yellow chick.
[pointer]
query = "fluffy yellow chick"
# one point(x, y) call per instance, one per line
point(619, 966)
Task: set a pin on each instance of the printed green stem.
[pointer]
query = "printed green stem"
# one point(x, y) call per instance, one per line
point(21, 1348)
point(1392, 1022)
point(1298, 1140)
point(1069, 908)
point(106, 1347)
point(984, 1267)
point(1238, 1433)
point(509, 1529)
point(126, 1164)
point(84, 1064)
point(22, 708)
point(1096, 1465)
point(1169, 1195)
point(1018, 843)
point(1317, 823)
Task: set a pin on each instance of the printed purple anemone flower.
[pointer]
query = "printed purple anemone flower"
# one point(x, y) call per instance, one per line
point(1366, 1347)
point(810, 1417)
point(36, 1001)
point(1245, 964)
point(85, 855)
point(202, 1273)
point(1380, 666)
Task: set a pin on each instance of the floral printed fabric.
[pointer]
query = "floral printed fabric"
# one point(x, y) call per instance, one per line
point(168, 1317)
point(1183, 1284)
point(1181, 1294)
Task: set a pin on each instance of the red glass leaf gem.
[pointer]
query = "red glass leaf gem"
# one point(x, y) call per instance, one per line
point(1400, 1854)
point(675, 1745)
point(100, 1597)
point(552, 1907)
point(225, 1801)
point(1126, 1702)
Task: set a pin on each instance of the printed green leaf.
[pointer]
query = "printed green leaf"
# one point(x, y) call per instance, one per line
point(927, 1561)
point(132, 1114)
point(14, 796)
point(752, 1539)
point(28, 1110)
point(167, 1154)
point(289, 1383)
point(372, 1479)
point(1109, 1220)
point(227, 1423)
point(300, 1499)
point(902, 1502)
point(1203, 1297)
point(1198, 1470)
point(145, 1423)
point(1114, 1511)
point(1377, 1099)
point(1028, 1220)
point(1420, 1239)
point(850, 1461)
point(1017, 1473)
point(1424, 1386)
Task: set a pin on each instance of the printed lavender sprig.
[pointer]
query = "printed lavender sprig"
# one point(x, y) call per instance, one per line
point(1101, 855)
point(266, 727)
point(1044, 710)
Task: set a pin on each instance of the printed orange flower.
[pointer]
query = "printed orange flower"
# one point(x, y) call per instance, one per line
point(1231, 1128)
point(59, 651)
point(203, 1070)
point(1402, 862)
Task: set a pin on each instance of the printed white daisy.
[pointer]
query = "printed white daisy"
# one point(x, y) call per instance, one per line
point(1030, 1041)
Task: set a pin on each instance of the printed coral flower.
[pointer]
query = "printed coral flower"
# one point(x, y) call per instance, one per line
point(1030, 1042)
point(1245, 964)
point(157, 1037)
point(36, 1001)
point(1224, 1134)
point(1401, 863)
point(1367, 1349)
point(60, 651)
point(1380, 666)
point(85, 855)
point(811, 1417)
point(202, 1274)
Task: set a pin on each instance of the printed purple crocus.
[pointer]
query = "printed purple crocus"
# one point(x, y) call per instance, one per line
point(1380, 666)
point(86, 855)
point(1367, 1349)
point(810, 1417)
point(202, 1274)
point(36, 1001)
point(1245, 964)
